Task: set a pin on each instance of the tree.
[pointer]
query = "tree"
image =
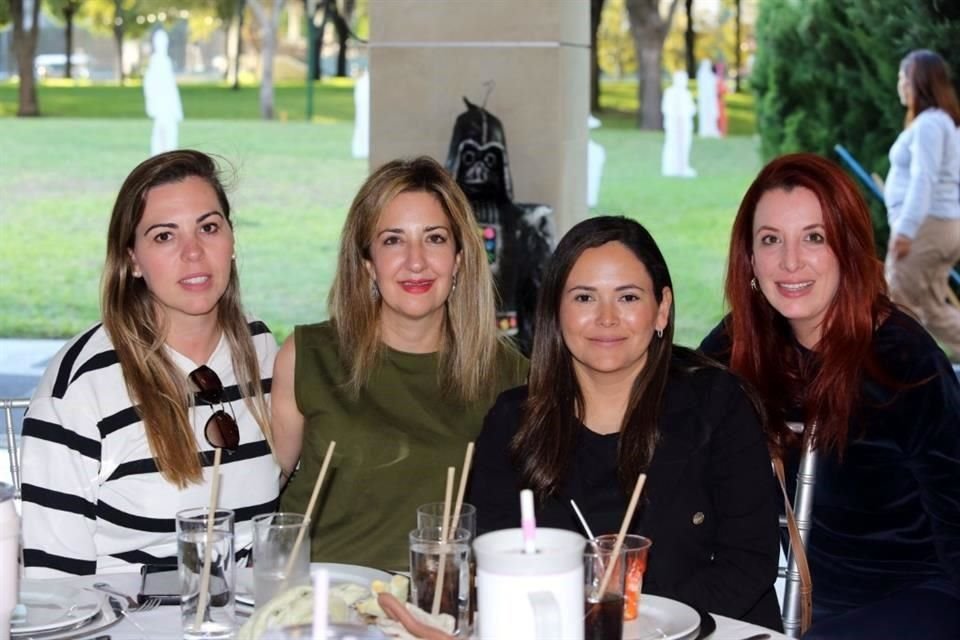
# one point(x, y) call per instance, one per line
point(649, 30)
point(230, 13)
point(596, 12)
point(119, 19)
point(339, 17)
point(25, 32)
point(616, 54)
point(267, 14)
point(690, 41)
point(738, 44)
point(342, 26)
point(68, 9)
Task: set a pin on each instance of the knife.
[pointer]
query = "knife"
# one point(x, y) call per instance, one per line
point(120, 611)
point(116, 606)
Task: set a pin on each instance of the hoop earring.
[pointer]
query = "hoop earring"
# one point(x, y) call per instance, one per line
point(753, 284)
point(660, 333)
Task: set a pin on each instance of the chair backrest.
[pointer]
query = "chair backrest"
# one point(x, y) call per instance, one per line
point(803, 510)
point(12, 417)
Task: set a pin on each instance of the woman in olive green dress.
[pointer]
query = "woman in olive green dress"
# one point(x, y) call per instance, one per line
point(401, 374)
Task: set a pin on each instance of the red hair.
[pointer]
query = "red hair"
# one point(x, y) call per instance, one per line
point(764, 350)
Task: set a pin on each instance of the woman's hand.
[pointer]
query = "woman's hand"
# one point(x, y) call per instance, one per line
point(900, 246)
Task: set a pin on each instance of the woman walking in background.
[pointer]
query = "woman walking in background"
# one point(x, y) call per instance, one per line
point(922, 194)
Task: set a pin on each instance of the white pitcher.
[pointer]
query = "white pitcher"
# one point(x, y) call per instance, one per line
point(9, 558)
point(522, 595)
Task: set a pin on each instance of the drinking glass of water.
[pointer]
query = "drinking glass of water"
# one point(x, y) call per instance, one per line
point(195, 543)
point(274, 536)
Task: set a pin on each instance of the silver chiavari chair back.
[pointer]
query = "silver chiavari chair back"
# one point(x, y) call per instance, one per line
point(803, 512)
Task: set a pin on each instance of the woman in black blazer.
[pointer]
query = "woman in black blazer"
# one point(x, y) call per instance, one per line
point(609, 397)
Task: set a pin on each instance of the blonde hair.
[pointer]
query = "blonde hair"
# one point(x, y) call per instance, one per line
point(469, 343)
point(156, 386)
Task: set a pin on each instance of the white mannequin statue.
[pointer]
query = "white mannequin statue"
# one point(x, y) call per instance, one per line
point(361, 117)
point(678, 110)
point(162, 96)
point(596, 157)
point(707, 100)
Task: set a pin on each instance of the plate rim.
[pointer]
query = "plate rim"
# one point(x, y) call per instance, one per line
point(677, 635)
point(50, 587)
point(246, 598)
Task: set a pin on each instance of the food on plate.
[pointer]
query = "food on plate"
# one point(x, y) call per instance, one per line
point(398, 587)
point(345, 601)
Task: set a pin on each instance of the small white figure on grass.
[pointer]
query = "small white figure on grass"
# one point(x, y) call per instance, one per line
point(678, 111)
point(162, 96)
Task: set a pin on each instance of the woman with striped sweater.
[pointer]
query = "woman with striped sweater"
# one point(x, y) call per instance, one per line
point(121, 431)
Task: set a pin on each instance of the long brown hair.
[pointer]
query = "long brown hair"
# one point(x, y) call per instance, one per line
point(157, 387)
point(545, 440)
point(930, 85)
point(764, 351)
point(469, 343)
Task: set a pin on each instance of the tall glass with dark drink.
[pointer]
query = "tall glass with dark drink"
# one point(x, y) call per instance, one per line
point(603, 603)
point(429, 557)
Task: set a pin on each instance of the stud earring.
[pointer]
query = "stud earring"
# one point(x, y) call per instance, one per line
point(137, 274)
point(753, 283)
point(233, 257)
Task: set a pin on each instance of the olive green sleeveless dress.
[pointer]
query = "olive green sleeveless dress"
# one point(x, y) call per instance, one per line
point(394, 444)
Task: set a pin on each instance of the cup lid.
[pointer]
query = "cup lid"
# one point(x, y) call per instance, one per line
point(502, 552)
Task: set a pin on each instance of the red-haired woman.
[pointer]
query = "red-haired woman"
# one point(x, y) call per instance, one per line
point(922, 194)
point(812, 329)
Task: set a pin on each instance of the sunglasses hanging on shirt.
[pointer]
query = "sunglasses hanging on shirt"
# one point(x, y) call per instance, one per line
point(221, 430)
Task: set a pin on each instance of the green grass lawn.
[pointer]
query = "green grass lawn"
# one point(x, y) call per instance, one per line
point(293, 184)
point(333, 101)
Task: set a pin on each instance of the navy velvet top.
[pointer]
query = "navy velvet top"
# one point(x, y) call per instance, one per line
point(887, 516)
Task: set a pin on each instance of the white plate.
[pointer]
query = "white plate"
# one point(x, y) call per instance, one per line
point(339, 573)
point(51, 606)
point(99, 622)
point(661, 619)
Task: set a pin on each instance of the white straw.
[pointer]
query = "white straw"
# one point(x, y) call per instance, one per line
point(528, 522)
point(583, 521)
point(321, 588)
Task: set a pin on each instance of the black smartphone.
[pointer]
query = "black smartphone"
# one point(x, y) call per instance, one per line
point(159, 581)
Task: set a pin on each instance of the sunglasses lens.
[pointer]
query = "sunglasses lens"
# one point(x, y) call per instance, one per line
point(207, 383)
point(222, 431)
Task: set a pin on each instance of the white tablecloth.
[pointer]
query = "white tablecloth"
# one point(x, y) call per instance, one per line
point(163, 623)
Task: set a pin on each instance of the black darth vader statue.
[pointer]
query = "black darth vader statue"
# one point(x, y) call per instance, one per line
point(518, 237)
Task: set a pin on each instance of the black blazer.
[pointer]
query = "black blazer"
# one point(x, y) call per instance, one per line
point(709, 503)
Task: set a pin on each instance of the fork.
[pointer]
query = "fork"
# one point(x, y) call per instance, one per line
point(128, 604)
